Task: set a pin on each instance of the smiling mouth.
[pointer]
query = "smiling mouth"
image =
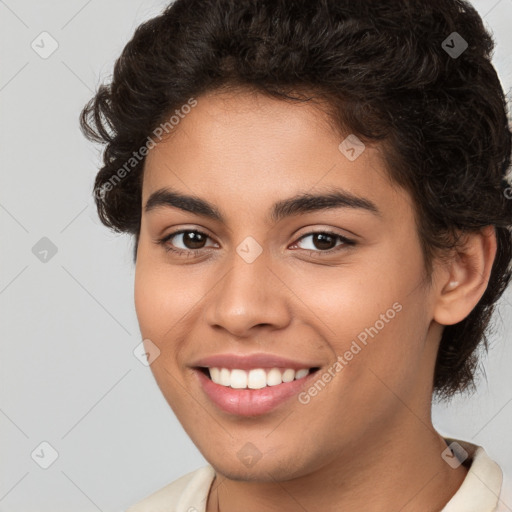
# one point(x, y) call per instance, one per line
point(256, 378)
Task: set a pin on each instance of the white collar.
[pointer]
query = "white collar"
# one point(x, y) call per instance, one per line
point(480, 490)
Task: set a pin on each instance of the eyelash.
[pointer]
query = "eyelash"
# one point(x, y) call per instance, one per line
point(195, 252)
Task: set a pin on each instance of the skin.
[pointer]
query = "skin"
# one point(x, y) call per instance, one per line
point(366, 441)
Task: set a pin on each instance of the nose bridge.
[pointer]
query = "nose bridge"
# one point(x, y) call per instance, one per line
point(248, 294)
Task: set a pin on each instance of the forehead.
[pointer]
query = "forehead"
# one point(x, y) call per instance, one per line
point(247, 128)
point(247, 147)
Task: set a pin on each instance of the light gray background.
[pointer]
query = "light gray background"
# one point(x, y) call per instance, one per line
point(68, 326)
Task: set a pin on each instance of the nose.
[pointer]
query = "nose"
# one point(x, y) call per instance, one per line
point(249, 296)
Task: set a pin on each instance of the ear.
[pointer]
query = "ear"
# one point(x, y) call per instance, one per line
point(465, 277)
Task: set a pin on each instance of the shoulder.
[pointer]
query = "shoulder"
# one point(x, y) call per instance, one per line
point(186, 494)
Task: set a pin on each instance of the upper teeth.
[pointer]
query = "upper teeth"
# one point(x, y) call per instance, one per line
point(256, 378)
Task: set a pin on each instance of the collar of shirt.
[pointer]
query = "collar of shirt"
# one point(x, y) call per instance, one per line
point(481, 488)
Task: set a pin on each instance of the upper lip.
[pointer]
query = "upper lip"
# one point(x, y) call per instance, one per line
point(248, 362)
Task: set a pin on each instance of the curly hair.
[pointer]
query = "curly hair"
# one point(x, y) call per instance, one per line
point(386, 75)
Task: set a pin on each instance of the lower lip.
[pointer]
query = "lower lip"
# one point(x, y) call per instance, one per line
point(250, 402)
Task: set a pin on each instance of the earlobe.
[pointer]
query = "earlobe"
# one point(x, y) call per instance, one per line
point(467, 277)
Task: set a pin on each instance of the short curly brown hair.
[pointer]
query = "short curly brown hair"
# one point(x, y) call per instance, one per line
point(387, 74)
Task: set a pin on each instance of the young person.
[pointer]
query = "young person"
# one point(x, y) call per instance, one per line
point(317, 192)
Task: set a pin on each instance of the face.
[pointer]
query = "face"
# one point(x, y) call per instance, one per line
point(251, 282)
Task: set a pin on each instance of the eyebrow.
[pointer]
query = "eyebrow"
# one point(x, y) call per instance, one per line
point(299, 204)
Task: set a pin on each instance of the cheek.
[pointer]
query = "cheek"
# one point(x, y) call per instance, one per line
point(159, 310)
point(373, 314)
point(348, 299)
point(163, 296)
point(147, 306)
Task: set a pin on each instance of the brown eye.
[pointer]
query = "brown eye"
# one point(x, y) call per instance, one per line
point(193, 239)
point(191, 243)
point(324, 241)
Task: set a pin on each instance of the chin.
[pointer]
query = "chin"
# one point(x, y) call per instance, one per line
point(267, 468)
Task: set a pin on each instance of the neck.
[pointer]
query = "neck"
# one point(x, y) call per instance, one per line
point(402, 470)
